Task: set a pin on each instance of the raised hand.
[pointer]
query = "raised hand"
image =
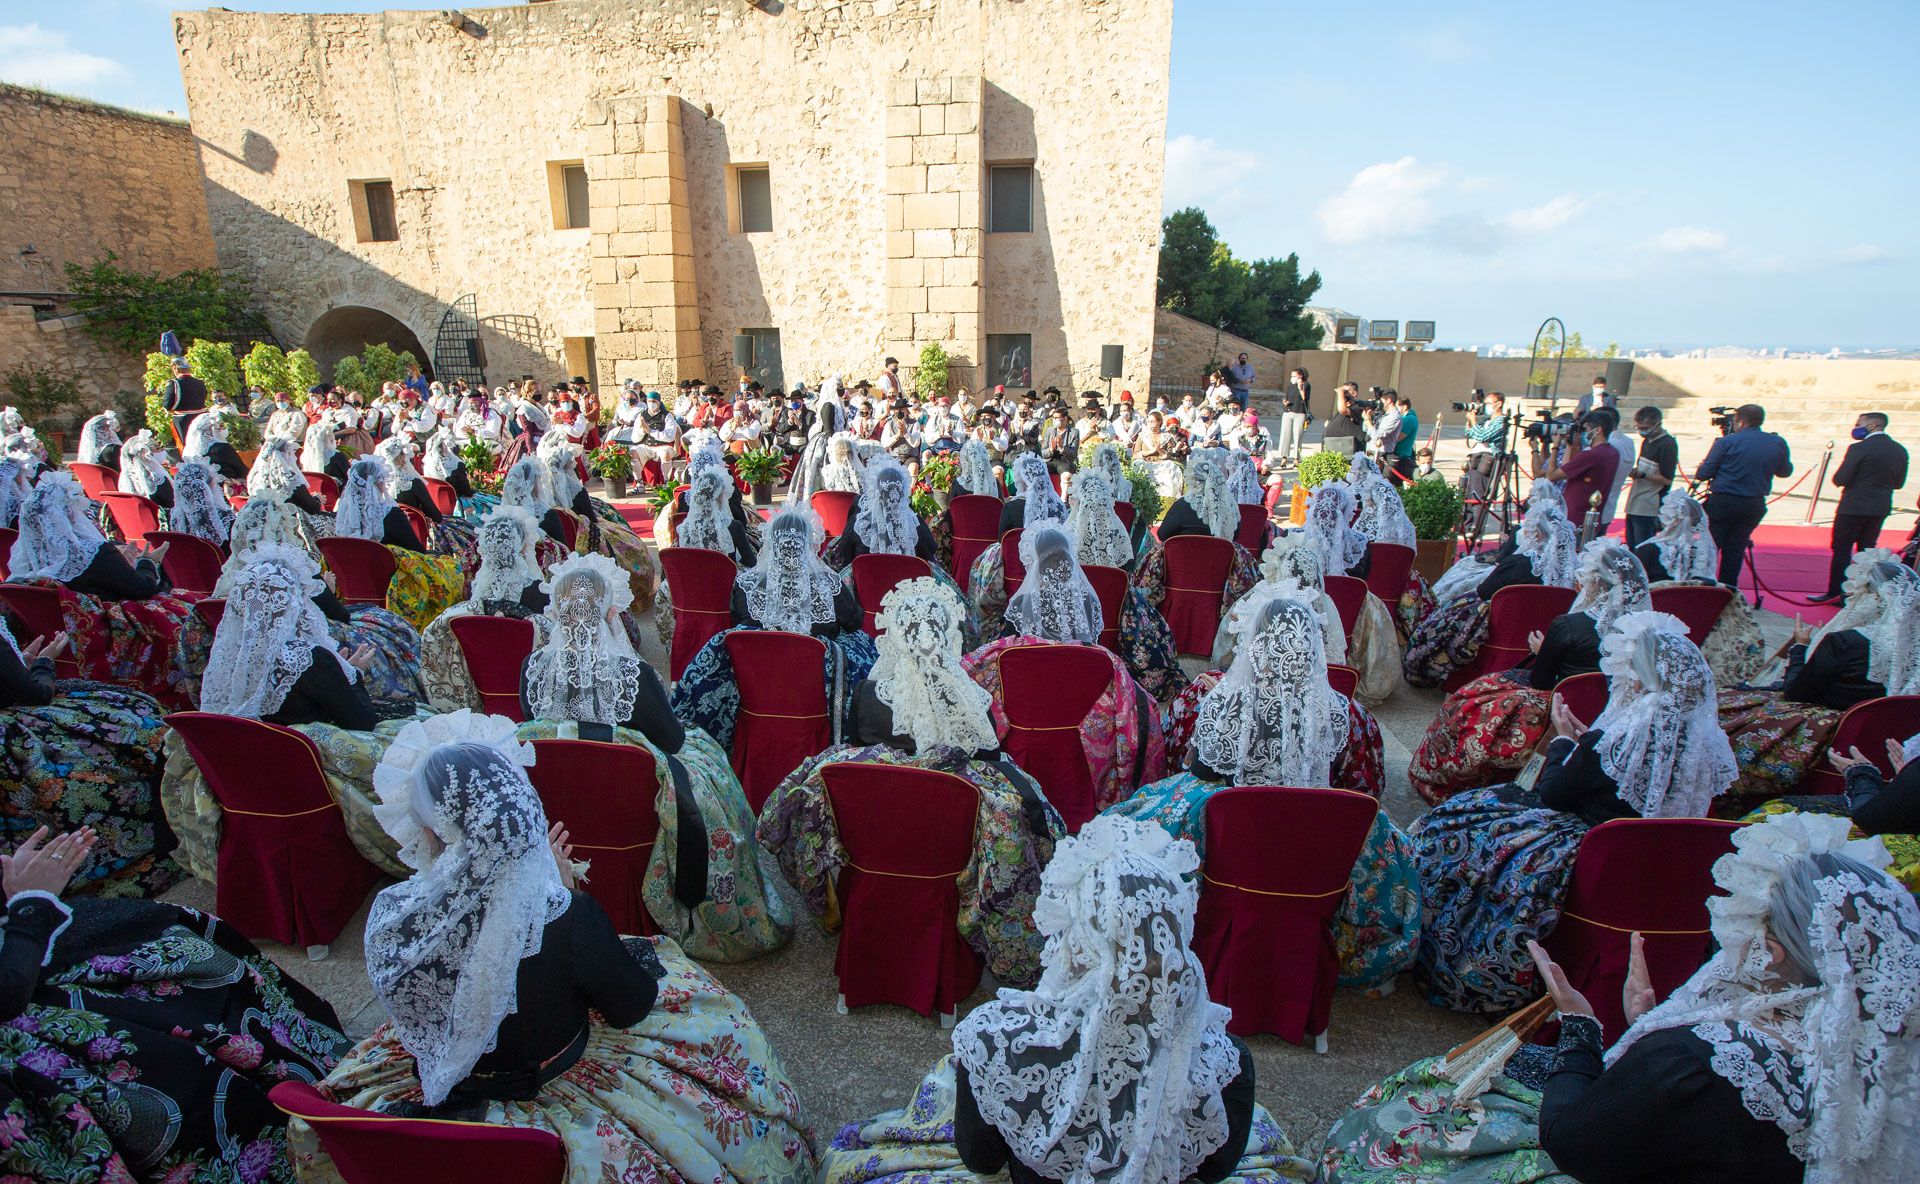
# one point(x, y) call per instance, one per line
point(1565, 998)
point(1636, 996)
point(1535, 640)
point(1896, 755)
point(557, 839)
point(1842, 761)
point(1565, 723)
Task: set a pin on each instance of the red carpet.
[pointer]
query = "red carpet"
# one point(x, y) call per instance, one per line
point(1793, 567)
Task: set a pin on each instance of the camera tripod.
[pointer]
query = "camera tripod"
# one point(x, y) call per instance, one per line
point(1500, 499)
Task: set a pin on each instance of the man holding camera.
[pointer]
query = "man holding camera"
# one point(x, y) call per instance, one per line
point(1587, 469)
point(1652, 475)
point(1875, 465)
point(1739, 472)
point(1342, 433)
point(1486, 435)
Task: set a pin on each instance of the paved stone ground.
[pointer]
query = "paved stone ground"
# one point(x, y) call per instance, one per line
point(850, 1067)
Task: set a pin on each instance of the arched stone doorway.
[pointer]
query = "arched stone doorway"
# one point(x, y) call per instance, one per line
point(346, 330)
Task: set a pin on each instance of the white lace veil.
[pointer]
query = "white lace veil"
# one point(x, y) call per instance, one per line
point(198, 508)
point(1055, 601)
point(442, 458)
point(203, 433)
point(14, 488)
point(98, 434)
point(1329, 524)
point(1383, 516)
point(586, 670)
point(1883, 603)
point(1108, 461)
point(843, 470)
point(140, 470)
point(1826, 1045)
point(709, 520)
point(529, 486)
point(1661, 739)
point(398, 452)
point(1547, 538)
point(506, 541)
point(1610, 584)
point(1110, 1071)
point(57, 540)
point(1291, 559)
point(1243, 477)
point(275, 469)
point(1102, 537)
point(1034, 486)
point(319, 446)
point(1208, 495)
point(885, 520)
point(267, 637)
point(789, 588)
point(1272, 719)
point(1686, 547)
point(364, 503)
point(919, 676)
point(559, 455)
point(444, 947)
point(975, 474)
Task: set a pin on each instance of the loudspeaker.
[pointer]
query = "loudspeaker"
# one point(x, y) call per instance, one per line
point(1620, 379)
point(1110, 361)
point(476, 354)
point(742, 351)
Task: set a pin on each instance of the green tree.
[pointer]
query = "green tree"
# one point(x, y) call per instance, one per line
point(348, 373)
point(132, 308)
point(266, 368)
point(930, 376)
point(303, 373)
point(1263, 300)
point(214, 364)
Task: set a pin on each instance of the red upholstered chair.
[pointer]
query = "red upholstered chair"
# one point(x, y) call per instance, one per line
point(1197, 569)
point(445, 498)
point(1389, 566)
point(495, 649)
point(834, 506)
point(569, 532)
point(1110, 584)
point(362, 569)
point(1349, 596)
point(211, 611)
point(325, 488)
point(784, 715)
point(604, 794)
point(1048, 691)
point(1013, 573)
point(908, 835)
point(287, 870)
point(1252, 533)
point(976, 523)
point(876, 575)
point(371, 1148)
point(41, 616)
point(702, 583)
point(420, 523)
point(1586, 695)
point(192, 563)
point(1126, 513)
point(1651, 875)
point(237, 500)
point(1278, 861)
point(1515, 612)
point(1868, 726)
point(1697, 605)
point(1344, 679)
point(133, 514)
point(8, 537)
point(95, 479)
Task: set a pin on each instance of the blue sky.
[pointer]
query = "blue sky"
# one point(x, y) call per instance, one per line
point(1655, 173)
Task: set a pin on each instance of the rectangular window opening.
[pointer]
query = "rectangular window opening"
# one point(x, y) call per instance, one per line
point(573, 179)
point(374, 220)
point(1010, 199)
point(1010, 360)
point(753, 199)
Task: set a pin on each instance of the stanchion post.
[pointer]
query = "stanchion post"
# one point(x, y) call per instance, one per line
point(1819, 482)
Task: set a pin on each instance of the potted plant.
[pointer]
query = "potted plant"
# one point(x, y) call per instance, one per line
point(479, 457)
point(936, 476)
point(1434, 505)
point(243, 432)
point(759, 468)
point(612, 463)
point(1316, 469)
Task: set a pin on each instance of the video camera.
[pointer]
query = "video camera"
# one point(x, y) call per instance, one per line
point(1476, 401)
point(1371, 403)
point(1548, 427)
point(1723, 418)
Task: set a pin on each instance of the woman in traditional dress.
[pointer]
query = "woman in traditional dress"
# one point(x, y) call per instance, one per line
point(975, 473)
point(508, 584)
point(1683, 552)
point(884, 522)
point(1273, 720)
point(1495, 863)
point(142, 473)
point(277, 469)
point(442, 462)
point(319, 453)
point(198, 508)
point(1115, 1067)
point(842, 471)
point(1490, 727)
point(1206, 508)
point(1330, 524)
point(16, 482)
point(142, 1038)
point(708, 884)
point(512, 1001)
point(423, 585)
point(446, 535)
point(1145, 641)
point(1877, 805)
point(100, 440)
point(207, 441)
point(709, 525)
point(789, 588)
point(1034, 503)
point(1382, 518)
point(920, 709)
point(528, 486)
point(602, 529)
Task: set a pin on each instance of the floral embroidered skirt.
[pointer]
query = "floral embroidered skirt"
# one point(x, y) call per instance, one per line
point(424, 586)
point(1445, 640)
point(1416, 603)
point(144, 644)
point(1412, 1127)
point(693, 1093)
point(1362, 766)
point(1775, 742)
point(1905, 849)
point(1484, 733)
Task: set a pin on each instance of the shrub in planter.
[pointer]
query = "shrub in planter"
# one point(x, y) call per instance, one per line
point(1319, 468)
point(760, 468)
point(612, 463)
point(243, 432)
point(479, 456)
point(1434, 505)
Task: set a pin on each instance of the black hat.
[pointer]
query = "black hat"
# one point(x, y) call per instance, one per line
point(318, 388)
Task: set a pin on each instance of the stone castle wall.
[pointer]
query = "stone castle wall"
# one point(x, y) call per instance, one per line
point(465, 118)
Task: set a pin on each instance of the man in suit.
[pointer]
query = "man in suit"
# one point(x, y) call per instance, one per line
point(186, 396)
point(1875, 465)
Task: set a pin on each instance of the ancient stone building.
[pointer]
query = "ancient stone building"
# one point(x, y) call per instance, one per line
point(626, 185)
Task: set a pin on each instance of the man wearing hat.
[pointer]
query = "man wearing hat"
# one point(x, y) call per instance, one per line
point(186, 396)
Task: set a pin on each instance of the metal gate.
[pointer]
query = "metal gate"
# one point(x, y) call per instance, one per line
point(457, 352)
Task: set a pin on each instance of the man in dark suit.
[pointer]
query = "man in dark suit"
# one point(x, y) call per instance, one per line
point(186, 397)
point(1874, 466)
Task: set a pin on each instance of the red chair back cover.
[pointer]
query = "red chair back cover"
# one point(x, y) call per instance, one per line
point(1048, 691)
point(211, 611)
point(1514, 612)
point(1110, 584)
point(1013, 572)
point(1868, 726)
point(362, 569)
point(1586, 695)
point(784, 715)
point(287, 870)
point(1651, 875)
point(1278, 861)
point(496, 650)
point(237, 501)
point(1126, 514)
point(445, 498)
point(702, 583)
point(834, 506)
point(876, 575)
point(133, 514)
point(975, 519)
point(39, 611)
point(1349, 596)
point(192, 563)
point(1252, 532)
point(1197, 569)
point(1697, 605)
point(94, 479)
point(908, 835)
point(371, 1148)
point(1344, 679)
point(604, 795)
point(417, 520)
point(325, 488)
point(570, 531)
point(1389, 565)
point(8, 536)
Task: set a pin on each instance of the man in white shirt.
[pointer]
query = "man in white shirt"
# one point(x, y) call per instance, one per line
point(1624, 445)
point(742, 429)
point(1126, 425)
point(891, 387)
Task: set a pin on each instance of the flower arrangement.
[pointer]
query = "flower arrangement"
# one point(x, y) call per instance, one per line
point(661, 496)
point(1321, 467)
point(479, 457)
point(759, 466)
point(922, 500)
point(937, 473)
point(611, 462)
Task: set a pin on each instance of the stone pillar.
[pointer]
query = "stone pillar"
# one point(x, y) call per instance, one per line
point(935, 282)
point(646, 309)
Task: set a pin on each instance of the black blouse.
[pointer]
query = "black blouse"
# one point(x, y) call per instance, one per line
point(227, 462)
point(458, 479)
point(322, 695)
point(1510, 570)
point(1181, 518)
point(1571, 646)
point(336, 467)
point(163, 496)
point(846, 612)
point(652, 714)
point(1881, 807)
point(1660, 1113)
point(397, 531)
point(1649, 557)
point(22, 685)
point(873, 724)
point(1573, 782)
point(31, 924)
point(416, 495)
point(303, 499)
point(1834, 674)
point(110, 577)
point(849, 546)
point(555, 525)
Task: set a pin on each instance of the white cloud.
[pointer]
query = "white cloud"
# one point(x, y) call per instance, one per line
point(1383, 201)
point(33, 56)
point(1201, 172)
point(1863, 253)
point(1689, 240)
point(1445, 45)
point(1548, 216)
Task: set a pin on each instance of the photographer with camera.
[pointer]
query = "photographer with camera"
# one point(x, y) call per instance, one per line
point(1739, 472)
point(1486, 435)
point(1586, 469)
point(1342, 433)
point(1653, 475)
